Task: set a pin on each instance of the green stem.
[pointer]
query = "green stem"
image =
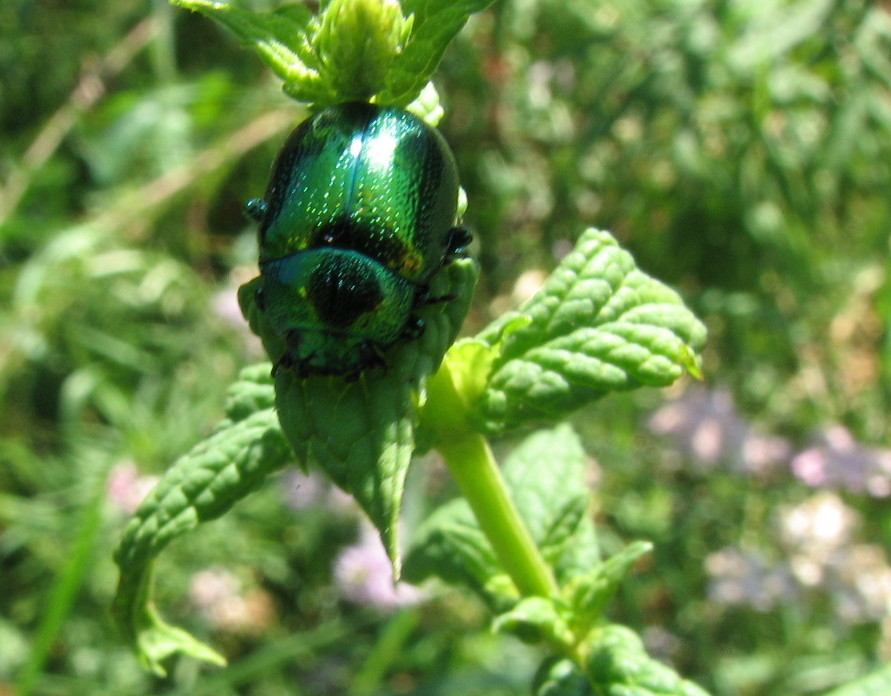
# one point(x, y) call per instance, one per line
point(470, 459)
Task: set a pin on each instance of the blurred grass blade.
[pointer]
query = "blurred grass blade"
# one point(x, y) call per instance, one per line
point(63, 592)
point(877, 683)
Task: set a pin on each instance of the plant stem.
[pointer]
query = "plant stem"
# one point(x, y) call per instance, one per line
point(470, 459)
point(472, 464)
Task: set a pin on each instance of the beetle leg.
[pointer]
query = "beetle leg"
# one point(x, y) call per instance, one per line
point(289, 359)
point(286, 362)
point(439, 299)
point(293, 339)
point(423, 297)
point(459, 239)
point(370, 358)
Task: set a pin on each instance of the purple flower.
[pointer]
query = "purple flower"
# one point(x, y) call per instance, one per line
point(746, 577)
point(820, 559)
point(225, 305)
point(860, 583)
point(225, 604)
point(302, 490)
point(213, 586)
point(307, 490)
point(127, 488)
point(364, 575)
point(818, 526)
point(660, 643)
point(838, 461)
point(707, 428)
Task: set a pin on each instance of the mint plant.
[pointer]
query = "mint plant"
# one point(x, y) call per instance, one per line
point(521, 536)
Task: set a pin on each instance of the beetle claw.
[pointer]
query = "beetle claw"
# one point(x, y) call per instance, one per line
point(459, 239)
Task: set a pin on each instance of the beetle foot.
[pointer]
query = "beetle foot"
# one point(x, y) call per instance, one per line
point(459, 239)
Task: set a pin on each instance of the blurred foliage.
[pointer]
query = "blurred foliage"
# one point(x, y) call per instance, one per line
point(739, 149)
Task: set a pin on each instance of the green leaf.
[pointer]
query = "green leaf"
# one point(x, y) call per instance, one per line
point(536, 620)
point(358, 42)
point(200, 486)
point(253, 391)
point(617, 665)
point(436, 22)
point(773, 34)
point(547, 477)
point(588, 594)
point(877, 683)
point(354, 49)
point(276, 36)
point(428, 108)
point(598, 325)
point(558, 676)
point(362, 433)
point(451, 545)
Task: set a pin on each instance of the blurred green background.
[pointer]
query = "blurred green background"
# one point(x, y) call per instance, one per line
point(741, 150)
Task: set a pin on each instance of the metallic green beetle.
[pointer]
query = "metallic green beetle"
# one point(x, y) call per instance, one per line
point(357, 220)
